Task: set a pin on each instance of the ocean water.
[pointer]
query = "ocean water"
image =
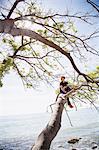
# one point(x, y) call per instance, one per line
point(20, 132)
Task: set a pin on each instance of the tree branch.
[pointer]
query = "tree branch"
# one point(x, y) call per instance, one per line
point(82, 17)
point(93, 5)
point(13, 7)
point(32, 34)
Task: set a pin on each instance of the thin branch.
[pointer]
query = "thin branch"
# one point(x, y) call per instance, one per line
point(68, 117)
point(93, 5)
point(34, 57)
point(20, 47)
point(13, 7)
point(22, 76)
point(82, 17)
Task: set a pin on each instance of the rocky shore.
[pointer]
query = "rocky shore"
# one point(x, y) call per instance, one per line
point(87, 142)
point(84, 142)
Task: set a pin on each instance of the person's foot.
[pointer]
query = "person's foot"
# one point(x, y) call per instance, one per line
point(71, 106)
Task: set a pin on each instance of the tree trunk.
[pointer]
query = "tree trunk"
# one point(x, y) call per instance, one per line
point(48, 134)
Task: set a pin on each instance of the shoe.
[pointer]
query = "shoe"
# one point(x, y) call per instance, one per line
point(71, 106)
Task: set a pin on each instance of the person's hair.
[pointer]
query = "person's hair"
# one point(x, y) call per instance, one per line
point(62, 77)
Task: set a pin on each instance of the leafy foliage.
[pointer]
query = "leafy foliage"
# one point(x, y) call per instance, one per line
point(5, 67)
point(95, 74)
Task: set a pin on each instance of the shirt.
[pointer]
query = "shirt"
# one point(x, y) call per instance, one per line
point(65, 86)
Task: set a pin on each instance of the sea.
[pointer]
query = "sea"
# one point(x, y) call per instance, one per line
point(20, 132)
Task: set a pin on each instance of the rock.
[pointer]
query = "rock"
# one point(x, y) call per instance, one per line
point(73, 141)
point(60, 146)
point(94, 147)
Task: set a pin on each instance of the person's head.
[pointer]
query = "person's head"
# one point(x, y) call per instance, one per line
point(62, 78)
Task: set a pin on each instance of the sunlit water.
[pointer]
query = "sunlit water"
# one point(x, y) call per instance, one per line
point(20, 132)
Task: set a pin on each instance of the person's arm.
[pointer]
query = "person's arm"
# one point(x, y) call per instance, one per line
point(62, 88)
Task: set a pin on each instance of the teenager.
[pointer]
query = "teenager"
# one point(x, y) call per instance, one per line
point(64, 88)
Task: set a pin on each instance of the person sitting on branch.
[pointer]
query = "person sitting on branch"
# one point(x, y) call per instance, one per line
point(64, 88)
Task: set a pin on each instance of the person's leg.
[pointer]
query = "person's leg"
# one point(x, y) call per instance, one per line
point(69, 103)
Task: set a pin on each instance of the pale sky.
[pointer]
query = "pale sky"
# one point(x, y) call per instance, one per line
point(14, 98)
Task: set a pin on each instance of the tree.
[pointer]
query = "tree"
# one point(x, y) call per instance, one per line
point(37, 52)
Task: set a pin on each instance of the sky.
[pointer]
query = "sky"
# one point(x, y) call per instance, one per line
point(14, 98)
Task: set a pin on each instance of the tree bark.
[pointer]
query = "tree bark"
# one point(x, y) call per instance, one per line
point(48, 134)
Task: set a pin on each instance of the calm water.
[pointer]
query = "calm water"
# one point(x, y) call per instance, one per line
point(20, 132)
